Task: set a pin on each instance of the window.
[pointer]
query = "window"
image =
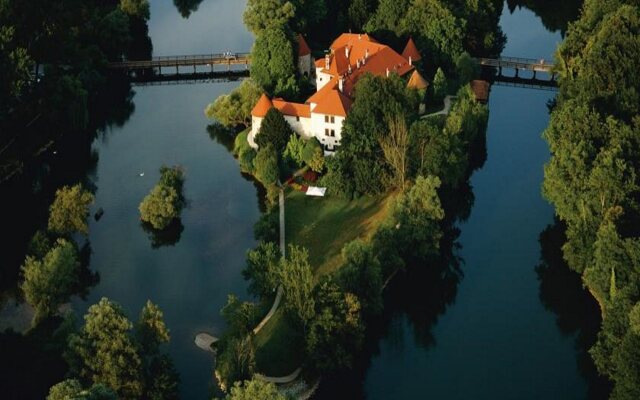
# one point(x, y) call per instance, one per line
point(326, 118)
point(333, 133)
point(297, 118)
point(333, 120)
point(326, 132)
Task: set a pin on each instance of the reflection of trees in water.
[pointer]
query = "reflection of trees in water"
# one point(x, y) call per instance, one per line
point(555, 15)
point(169, 236)
point(420, 294)
point(222, 135)
point(577, 312)
point(186, 7)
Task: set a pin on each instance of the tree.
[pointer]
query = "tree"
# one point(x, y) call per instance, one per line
point(50, 282)
point(336, 332)
point(417, 214)
point(466, 68)
point(236, 361)
point(104, 352)
point(359, 13)
point(240, 316)
point(440, 85)
point(151, 331)
point(165, 202)
point(108, 351)
point(274, 130)
point(296, 278)
point(395, 146)
point(234, 109)
point(136, 8)
point(266, 166)
point(273, 62)
point(389, 16)
point(71, 389)
point(254, 389)
point(294, 151)
point(262, 269)
point(260, 15)
point(313, 155)
point(361, 274)
point(70, 210)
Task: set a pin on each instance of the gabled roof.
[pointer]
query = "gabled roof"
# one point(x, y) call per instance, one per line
point(334, 102)
point(417, 81)
point(292, 109)
point(262, 107)
point(303, 47)
point(410, 50)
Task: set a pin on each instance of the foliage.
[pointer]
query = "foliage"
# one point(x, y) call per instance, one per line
point(266, 166)
point(395, 146)
point(417, 214)
point(165, 202)
point(234, 109)
point(267, 228)
point(254, 389)
point(294, 151)
point(361, 274)
point(241, 317)
point(236, 361)
point(262, 267)
point(70, 210)
point(260, 15)
point(466, 68)
point(48, 283)
point(72, 389)
point(274, 130)
point(296, 279)
point(273, 62)
point(440, 85)
point(336, 332)
point(136, 8)
point(107, 351)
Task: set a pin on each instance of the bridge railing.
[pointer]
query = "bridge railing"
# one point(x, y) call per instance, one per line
point(182, 60)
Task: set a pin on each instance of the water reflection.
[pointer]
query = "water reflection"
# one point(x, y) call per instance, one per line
point(577, 312)
point(555, 15)
point(168, 236)
point(186, 7)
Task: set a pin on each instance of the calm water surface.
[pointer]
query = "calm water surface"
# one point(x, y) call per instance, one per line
point(191, 279)
point(496, 340)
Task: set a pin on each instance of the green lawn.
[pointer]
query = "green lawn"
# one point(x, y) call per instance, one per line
point(279, 346)
point(325, 224)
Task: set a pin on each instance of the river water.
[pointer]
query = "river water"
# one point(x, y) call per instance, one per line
point(501, 331)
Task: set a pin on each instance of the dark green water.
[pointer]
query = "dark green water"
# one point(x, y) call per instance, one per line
point(189, 280)
point(502, 330)
point(499, 336)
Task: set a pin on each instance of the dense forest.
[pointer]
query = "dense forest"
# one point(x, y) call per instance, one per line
point(592, 178)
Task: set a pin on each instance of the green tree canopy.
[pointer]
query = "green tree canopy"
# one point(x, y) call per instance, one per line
point(254, 389)
point(266, 165)
point(234, 109)
point(274, 130)
point(262, 269)
point(50, 282)
point(296, 278)
point(71, 389)
point(274, 62)
point(361, 274)
point(70, 210)
point(165, 202)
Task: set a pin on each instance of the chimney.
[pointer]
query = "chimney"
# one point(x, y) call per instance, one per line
point(359, 36)
point(366, 54)
point(327, 61)
point(346, 51)
point(349, 69)
point(364, 60)
point(341, 84)
point(387, 72)
point(358, 64)
point(410, 62)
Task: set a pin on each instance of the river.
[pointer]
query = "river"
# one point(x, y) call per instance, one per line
point(499, 329)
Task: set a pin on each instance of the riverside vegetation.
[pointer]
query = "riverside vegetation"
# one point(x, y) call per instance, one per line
point(592, 178)
point(333, 279)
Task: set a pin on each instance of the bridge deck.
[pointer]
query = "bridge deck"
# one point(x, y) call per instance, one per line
point(527, 64)
point(177, 61)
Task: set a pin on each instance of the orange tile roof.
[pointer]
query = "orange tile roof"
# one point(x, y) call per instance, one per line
point(303, 47)
point(411, 50)
point(334, 103)
point(417, 81)
point(262, 107)
point(293, 109)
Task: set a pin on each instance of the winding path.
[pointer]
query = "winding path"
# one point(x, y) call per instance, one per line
point(444, 111)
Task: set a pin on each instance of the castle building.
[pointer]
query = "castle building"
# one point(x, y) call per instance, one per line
point(350, 56)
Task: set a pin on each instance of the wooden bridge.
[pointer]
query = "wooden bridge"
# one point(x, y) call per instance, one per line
point(519, 65)
point(208, 60)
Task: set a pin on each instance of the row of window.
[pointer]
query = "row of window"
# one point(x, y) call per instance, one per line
point(330, 132)
point(331, 119)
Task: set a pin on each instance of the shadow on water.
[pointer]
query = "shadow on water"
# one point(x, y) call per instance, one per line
point(577, 312)
point(555, 15)
point(168, 236)
point(419, 295)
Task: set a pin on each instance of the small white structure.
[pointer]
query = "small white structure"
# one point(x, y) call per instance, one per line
point(322, 115)
point(316, 191)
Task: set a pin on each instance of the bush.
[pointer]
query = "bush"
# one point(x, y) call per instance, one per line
point(165, 202)
point(274, 130)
